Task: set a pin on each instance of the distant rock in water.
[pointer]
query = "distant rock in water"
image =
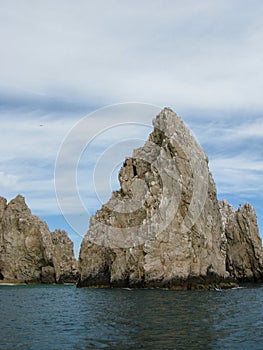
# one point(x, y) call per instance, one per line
point(64, 262)
point(165, 226)
point(29, 252)
point(244, 246)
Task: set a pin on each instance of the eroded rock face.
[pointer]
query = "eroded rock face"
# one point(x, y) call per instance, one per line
point(64, 262)
point(29, 252)
point(163, 227)
point(244, 246)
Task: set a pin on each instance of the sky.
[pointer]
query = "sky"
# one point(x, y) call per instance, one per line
point(69, 70)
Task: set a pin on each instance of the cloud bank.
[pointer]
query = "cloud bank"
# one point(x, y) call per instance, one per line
point(198, 54)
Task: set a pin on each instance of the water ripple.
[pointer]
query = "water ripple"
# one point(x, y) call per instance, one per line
point(63, 317)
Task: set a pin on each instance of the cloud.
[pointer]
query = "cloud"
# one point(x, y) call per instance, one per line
point(238, 175)
point(8, 182)
point(193, 54)
point(250, 130)
point(28, 147)
point(21, 132)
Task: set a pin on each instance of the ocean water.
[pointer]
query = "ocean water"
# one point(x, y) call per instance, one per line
point(64, 317)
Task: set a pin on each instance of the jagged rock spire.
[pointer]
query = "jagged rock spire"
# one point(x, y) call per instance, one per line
point(163, 227)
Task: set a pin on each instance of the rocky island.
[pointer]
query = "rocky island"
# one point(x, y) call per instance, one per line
point(165, 226)
point(29, 252)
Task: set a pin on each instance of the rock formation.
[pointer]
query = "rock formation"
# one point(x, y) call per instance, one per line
point(244, 259)
point(64, 262)
point(29, 252)
point(163, 228)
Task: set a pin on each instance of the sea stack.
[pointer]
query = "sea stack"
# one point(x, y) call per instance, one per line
point(165, 226)
point(29, 252)
point(244, 246)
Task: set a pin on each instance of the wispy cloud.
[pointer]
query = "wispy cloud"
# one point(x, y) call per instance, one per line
point(192, 54)
point(28, 147)
point(238, 175)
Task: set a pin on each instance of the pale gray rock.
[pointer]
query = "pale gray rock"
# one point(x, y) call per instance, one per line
point(163, 227)
point(29, 252)
point(244, 246)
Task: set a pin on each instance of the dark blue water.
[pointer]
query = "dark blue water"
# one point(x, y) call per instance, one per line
point(63, 317)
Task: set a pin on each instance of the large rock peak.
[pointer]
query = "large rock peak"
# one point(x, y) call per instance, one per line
point(29, 252)
point(163, 227)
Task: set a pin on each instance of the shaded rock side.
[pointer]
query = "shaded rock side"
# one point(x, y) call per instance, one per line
point(29, 252)
point(163, 228)
point(244, 259)
point(65, 265)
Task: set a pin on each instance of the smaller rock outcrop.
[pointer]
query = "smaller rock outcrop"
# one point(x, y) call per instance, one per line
point(29, 252)
point(244, 260)
point(64, 262)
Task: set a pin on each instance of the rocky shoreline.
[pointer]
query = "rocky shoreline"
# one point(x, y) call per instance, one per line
point(192, 283)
